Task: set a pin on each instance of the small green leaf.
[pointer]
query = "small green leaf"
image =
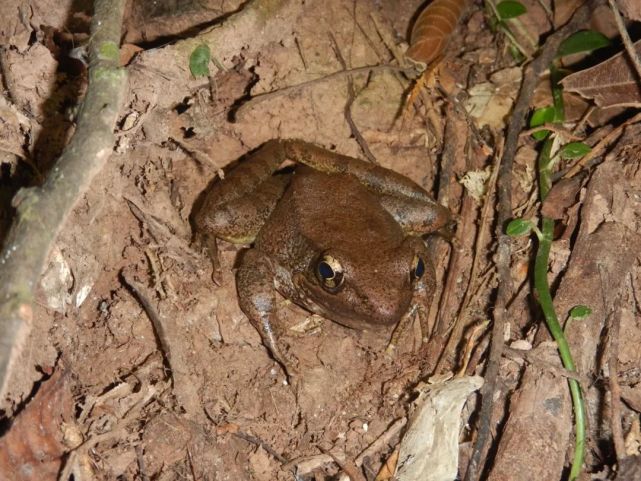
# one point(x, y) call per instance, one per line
point(574, 150)
point(580, 312)
point(510, 9)
point(583, 41)
point(542, 116)
point(199, 61)
point(518, 228)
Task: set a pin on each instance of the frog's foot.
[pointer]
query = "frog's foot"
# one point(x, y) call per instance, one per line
point(288, 363)
point(400, 329)
point(417, 308)
point(208, 243)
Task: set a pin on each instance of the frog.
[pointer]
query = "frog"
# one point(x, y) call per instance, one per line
point(339, 236)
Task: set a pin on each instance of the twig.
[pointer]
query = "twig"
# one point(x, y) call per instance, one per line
point(307, 464)
point(259, 442)
point(383, 439)
point(531, 358)
point(200, 156)
point(348, 466)
point(191, 465)
point(474, 277)
point(599, 147)
point(627, 42)
point(517, 122)
point(140, 294)
point(140, 459)
point(613, 324)
point(441, 344)
point(351, 95)
point(326, 78)
point(42, 211)
point(556, 128)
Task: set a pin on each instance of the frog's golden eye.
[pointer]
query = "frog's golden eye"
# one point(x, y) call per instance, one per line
point(418, 268)
point(329, 272)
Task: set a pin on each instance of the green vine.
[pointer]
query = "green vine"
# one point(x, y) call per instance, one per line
point(582, 41)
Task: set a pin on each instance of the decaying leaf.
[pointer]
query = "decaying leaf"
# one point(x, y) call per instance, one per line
point(429, 449)
point(39, 436)
point(490, 102)
point(432, 30)
point(612, 83)
point(562, 196)
point(475, 182)
point(631, 9)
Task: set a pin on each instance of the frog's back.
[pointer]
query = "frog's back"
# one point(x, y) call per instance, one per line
point(321, 211)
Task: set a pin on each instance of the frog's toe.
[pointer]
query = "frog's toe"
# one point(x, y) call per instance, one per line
point(217, 275)
point(391, 349)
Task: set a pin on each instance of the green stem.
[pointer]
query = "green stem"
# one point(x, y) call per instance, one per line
point(547, 306)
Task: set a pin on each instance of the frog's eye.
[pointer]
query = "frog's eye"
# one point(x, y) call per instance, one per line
point(418, 268)
point(329, 272)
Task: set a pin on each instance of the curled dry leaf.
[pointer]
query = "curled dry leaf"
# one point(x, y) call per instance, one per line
point(612, 83)
point(429, 449)
point(41, 434)
point(432, 31)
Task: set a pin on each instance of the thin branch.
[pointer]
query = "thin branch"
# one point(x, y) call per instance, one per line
point(605, 142)
point(351, 96)
point(613, 323)
point(326, 78)
point(627, 41)
point(42, 211)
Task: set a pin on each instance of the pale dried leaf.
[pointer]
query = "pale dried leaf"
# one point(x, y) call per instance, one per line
point(475, 181)
point(490, 102)
point(429, 449)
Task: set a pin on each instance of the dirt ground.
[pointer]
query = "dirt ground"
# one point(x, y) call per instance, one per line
point(97, 378)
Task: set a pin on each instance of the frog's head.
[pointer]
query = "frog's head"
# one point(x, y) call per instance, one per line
point(369, 286)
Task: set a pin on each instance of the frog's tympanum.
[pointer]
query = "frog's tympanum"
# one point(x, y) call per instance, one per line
point(337, 235)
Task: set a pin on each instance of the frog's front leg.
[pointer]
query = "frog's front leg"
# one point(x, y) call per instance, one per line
point(258, 300)
point(422, 298)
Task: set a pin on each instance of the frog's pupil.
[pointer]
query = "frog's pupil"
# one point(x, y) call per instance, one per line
point(420, 268)
point(325, 270)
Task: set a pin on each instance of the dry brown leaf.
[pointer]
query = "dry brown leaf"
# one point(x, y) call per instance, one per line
point(631, 9)
point(610, 83)
point(38, 438)
point(562, 197)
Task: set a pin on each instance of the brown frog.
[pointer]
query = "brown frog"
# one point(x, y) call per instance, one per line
point(337, 236)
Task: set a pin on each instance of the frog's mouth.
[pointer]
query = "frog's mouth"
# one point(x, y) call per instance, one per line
point(308, 297)
point(314, 298)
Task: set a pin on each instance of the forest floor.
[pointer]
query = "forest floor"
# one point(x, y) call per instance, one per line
point(111, 404)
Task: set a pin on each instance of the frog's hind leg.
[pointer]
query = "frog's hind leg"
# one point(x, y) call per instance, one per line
point(409, 204)
point(237, 207)
point(258, 300)
point(238, 220)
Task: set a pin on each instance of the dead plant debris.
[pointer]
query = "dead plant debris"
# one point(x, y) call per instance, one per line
point(157, 374)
